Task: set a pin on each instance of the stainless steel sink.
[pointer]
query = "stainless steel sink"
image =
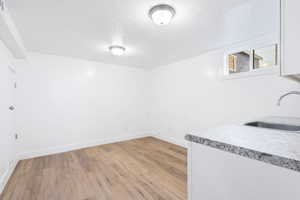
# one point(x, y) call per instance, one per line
point(283, 127)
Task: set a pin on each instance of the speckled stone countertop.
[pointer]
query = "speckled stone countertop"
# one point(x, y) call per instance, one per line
point(280, 148)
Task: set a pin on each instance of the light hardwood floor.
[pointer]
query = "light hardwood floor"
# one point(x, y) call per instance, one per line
point(139, 169)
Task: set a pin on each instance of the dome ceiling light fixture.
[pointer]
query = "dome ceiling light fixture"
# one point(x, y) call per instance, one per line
point(117, 50)
point(162, 14)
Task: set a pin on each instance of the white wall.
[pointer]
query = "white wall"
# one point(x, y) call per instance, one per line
point(252, 19)
point(65, 102)
point(190, 97)
point(7, 145)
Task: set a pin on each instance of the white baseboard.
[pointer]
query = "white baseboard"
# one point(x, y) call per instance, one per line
point(181, 143)
point(71, 147)
point(5, 177)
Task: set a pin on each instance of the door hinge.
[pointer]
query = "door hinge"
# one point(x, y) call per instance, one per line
point(2, 5)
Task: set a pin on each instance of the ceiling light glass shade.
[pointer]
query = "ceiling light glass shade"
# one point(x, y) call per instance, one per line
point(117, 50)
point(162, 14)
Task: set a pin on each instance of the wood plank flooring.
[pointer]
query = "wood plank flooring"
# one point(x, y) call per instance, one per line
point(145, 168)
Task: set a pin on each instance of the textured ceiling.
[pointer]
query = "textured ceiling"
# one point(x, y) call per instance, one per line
point(84, 29)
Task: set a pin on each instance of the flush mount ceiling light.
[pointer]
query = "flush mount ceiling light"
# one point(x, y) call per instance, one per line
point(162, 14)
point(117, 50)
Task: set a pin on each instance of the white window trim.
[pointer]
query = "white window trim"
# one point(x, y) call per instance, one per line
point(252, 45)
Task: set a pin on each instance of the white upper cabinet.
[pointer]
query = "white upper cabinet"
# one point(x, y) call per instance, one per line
point(290, 37)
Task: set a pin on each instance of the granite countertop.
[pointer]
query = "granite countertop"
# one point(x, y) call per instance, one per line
point(280, 148)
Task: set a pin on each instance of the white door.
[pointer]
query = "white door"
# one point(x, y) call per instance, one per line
point(290, 37)
point(12, 107)
point(7, 117)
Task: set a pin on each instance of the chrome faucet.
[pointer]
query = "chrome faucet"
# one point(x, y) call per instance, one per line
point(287, 94)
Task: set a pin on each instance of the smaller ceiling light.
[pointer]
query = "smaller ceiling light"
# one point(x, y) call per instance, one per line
point(117, 50)
point(162, 14)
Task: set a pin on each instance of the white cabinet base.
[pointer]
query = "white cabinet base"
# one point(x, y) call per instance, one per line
point(218, 175)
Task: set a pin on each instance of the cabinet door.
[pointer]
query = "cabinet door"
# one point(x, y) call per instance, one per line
point(218, 175)
point(290, 37)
